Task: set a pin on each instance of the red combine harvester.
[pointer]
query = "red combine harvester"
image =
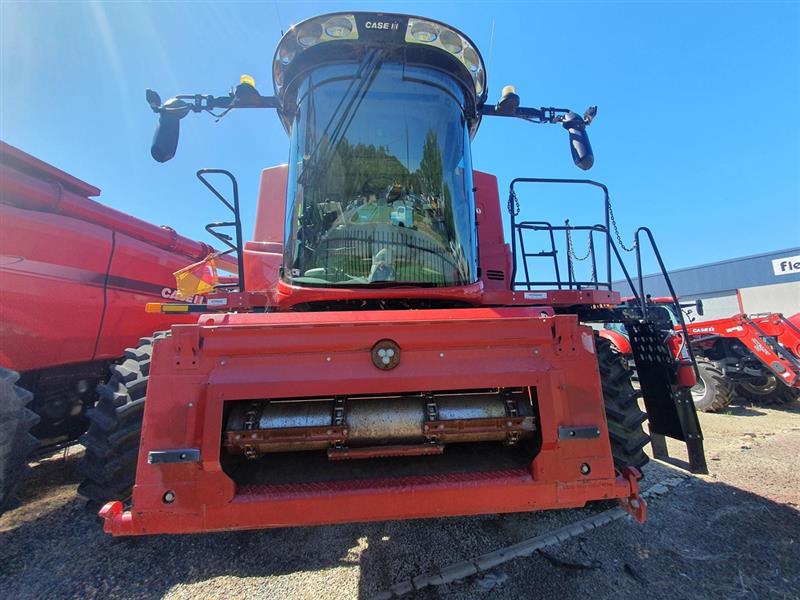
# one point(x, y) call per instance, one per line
point(384, 363)
point(75, 276)
point(756, 356)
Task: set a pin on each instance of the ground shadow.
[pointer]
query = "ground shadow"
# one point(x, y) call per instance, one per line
point(704, 539)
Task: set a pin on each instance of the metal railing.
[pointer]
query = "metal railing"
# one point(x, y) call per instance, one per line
point(640, 299)
point(518, 239)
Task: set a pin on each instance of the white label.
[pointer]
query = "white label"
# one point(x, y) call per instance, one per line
point(217, 302)
point(789, 265)
point(535, 295)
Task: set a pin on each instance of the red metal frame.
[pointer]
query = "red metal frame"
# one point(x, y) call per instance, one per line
point(509, 339)
point(228, 357)
point(75, 274)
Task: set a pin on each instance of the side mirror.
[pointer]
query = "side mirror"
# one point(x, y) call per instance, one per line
point(165, 138)
point(698, 307)
point(579, 144)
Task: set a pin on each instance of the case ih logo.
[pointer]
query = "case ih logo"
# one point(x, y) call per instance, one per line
point(381, 25)
point(789, 265)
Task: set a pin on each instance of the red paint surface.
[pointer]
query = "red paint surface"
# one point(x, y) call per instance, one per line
point(75, 274)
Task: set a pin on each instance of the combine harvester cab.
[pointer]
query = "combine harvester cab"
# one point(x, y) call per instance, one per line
point(364, 371)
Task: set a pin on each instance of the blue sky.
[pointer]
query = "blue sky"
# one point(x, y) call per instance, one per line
point(697, 133)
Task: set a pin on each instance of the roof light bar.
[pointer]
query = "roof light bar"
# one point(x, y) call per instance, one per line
point(422, 31)
point(377, 28)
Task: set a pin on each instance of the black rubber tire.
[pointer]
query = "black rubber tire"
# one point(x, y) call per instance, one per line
point(715, 391)
point(623, 415)
point(773, 391)
point(115, 427)
point(16, 441)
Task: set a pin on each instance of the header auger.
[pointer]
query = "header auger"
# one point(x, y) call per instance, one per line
point(382, 362)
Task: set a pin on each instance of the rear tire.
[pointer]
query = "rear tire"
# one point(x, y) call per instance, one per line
point(714, 391)
point(623, 415)
point(16, 441)
point(771, 391)
point(112, 441)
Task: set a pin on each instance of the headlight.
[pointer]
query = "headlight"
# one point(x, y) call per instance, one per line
point(421, 31)
point(339, 27)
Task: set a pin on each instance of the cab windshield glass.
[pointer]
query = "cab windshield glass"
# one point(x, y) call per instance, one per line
point(380, 180)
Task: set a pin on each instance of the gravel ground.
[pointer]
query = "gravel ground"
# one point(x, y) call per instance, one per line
point(732, 534)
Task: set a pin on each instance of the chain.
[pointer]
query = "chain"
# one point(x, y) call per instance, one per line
point(513, 203)
point(571, 248)
point(574, 256)
point(616, 230)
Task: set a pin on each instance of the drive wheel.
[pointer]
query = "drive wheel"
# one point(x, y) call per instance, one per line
point(16, 441)
point(623, 414)
point(767, 390)
point(112, 441)
point(713, 391)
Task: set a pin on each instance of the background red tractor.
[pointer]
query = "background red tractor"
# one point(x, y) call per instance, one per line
point(75, 276)
point(756, 357)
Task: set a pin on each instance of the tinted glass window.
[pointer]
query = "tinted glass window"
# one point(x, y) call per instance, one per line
point(380, 180)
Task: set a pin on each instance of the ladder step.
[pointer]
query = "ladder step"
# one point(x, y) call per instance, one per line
point(552, 254)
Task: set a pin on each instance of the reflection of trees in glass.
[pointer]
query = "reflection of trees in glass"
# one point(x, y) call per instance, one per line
point(430, 169)
point(430, 175)
point(362, 169)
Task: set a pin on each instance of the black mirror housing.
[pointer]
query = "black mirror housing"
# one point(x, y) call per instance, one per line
point(579, 144)
point(165, 138)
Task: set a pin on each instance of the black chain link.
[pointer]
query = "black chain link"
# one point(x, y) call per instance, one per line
point(513, 203)
point(616, 230)
point(574, 256)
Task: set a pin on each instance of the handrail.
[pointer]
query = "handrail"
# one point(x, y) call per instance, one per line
point(512, 199)
point(236, 223)
point(642, 298)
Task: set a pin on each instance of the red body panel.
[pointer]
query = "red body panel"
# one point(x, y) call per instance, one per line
point(620, 342)
point(50, 266)
point(75, 274)
point(264, 255)
point(285, 355)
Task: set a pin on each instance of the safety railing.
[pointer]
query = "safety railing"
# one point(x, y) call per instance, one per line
point(595, 281)
point(234, 243)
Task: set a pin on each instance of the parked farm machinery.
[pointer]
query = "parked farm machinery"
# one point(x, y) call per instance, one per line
point(365, 371)
point(75, 275)
point(754, 356)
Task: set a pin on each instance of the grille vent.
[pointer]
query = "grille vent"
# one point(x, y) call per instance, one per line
point(494, 274)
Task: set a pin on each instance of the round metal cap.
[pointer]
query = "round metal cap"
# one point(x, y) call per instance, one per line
point(386, 355)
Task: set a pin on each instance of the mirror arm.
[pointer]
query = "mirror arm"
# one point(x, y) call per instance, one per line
point(536, 115)
point(579, 145)
point(202, 102)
